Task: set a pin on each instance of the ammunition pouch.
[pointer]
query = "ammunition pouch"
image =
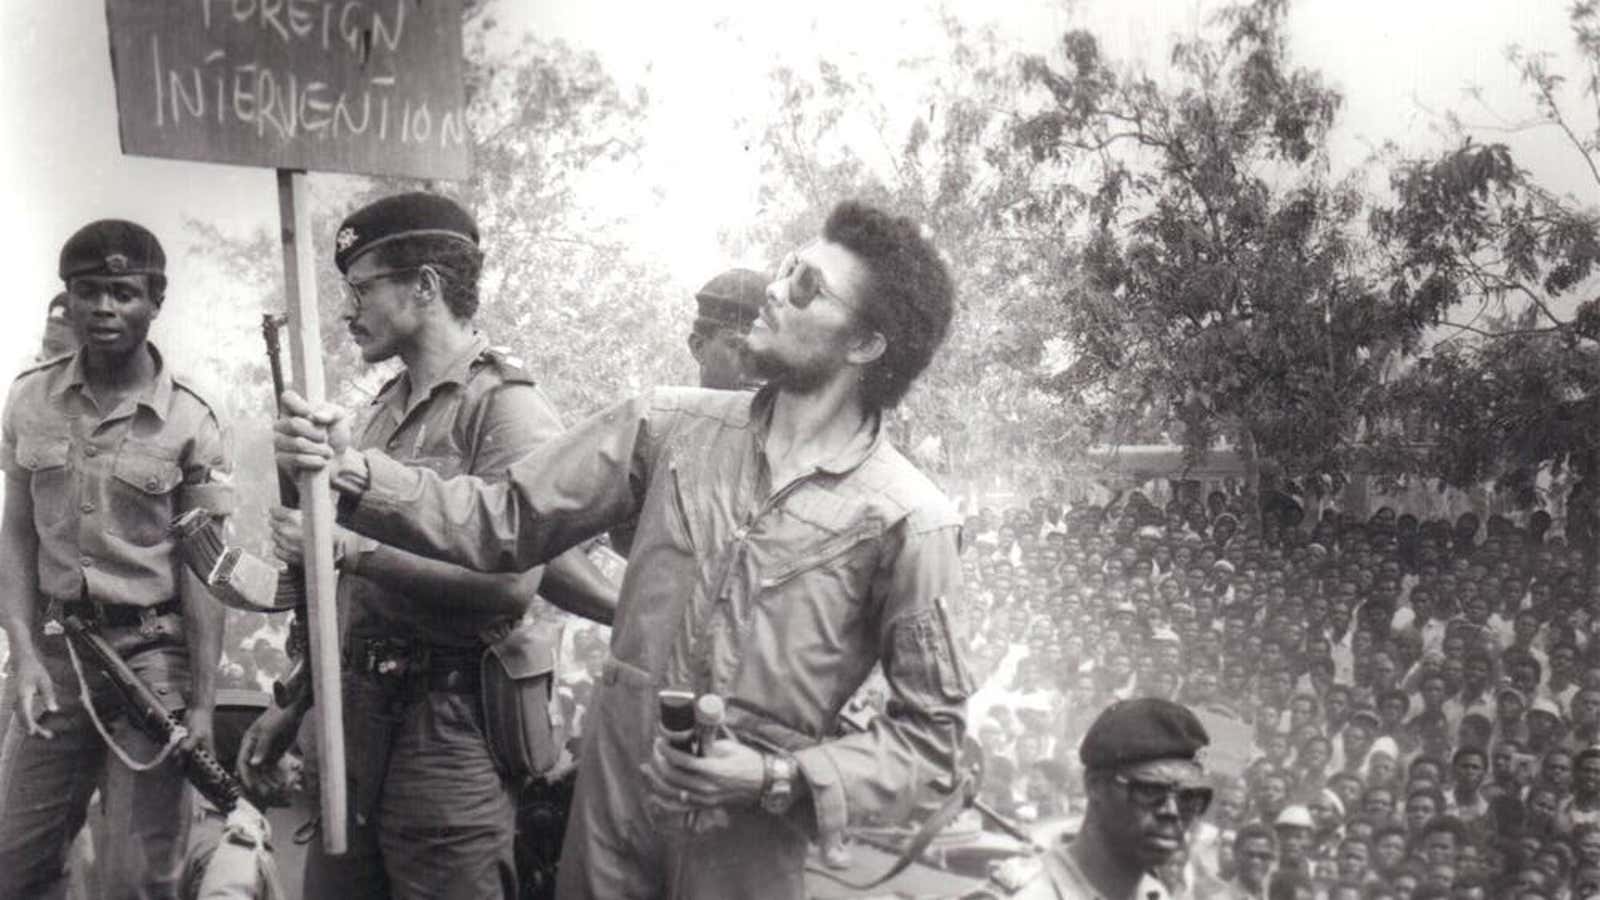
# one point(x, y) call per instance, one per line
point(521, 716)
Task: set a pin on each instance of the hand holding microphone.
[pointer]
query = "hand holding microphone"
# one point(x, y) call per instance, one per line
point(693, 769)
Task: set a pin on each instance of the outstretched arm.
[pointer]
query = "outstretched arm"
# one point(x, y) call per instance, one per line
point(571, 488)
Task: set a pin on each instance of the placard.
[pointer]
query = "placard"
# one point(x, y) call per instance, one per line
point(365, 86)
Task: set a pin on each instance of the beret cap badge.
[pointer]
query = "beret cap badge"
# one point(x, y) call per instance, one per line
point(415, 215)
point(116, 263)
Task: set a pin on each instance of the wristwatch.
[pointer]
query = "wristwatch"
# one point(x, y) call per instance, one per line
point(778, 793)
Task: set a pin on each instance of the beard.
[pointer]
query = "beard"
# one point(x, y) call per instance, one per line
point(795, 378)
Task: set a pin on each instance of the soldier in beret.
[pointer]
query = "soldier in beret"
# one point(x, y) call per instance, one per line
point(102, 448)
point(435, 801)
point(1146, 789)
point(726, 307)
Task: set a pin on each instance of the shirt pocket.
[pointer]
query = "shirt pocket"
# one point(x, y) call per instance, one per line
point(45, 458)
point(926, 659)
point(142, 496)
point(829, 554)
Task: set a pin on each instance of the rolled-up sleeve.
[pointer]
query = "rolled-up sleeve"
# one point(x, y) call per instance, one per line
point(886, 770)
point(208, 471)
point(570, 488)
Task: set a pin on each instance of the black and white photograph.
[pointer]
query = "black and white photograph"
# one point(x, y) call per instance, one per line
point(913, 450)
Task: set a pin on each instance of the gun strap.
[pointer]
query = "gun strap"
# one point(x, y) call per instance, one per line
point(178, 734)
point(943, 816)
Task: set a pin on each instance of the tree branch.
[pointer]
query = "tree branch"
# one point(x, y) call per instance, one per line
point(1561, 121)
point(1500, 334)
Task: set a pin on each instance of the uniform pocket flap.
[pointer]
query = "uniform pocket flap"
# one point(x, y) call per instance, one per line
point(40, 453)
point(822, 553)
point(530, 649)
point(147, 474)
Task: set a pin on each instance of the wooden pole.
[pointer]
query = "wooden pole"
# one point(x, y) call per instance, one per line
point(316, 504)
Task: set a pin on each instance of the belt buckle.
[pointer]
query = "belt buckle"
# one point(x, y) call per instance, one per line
point(147, 622)
point(386, 656)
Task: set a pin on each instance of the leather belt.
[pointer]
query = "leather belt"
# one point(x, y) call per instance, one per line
point(450, 669)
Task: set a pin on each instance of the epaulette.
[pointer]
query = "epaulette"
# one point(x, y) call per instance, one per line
point(183, 381)
point(43, 364)
point(510, 367)
point(1012, 875)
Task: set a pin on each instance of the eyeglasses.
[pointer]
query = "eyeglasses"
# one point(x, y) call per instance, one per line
point(357, 290)
point(806, 283)
point(1192, 802)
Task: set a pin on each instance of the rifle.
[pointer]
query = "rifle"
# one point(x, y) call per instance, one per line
point(236, 578)
point(147, 713)
point(296, 686)
point(288, 491)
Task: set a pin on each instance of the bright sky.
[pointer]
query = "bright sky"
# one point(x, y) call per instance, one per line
point(704, 64)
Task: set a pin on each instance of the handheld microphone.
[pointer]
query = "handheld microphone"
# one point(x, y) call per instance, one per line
point(676, 709)
point(709, 711)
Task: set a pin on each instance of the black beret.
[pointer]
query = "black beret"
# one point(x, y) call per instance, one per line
point(730, 300)
point(1135, 731)
point(112, 247)
point(415, 214)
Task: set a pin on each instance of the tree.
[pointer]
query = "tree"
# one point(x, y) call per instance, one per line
point(1221, 281)
point(1512, 391)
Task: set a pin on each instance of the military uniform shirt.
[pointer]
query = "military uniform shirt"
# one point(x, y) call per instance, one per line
point(480, 416)
point(1061, 879)
point(106, 484)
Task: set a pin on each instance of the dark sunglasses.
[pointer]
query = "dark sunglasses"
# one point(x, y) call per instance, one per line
point(1192, 802)
point(806, 283)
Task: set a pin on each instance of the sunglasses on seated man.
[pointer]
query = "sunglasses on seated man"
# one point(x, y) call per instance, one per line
point(1192, 802)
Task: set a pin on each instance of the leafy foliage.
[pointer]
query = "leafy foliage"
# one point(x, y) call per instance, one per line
point(1512, 393)
point(1221, 281)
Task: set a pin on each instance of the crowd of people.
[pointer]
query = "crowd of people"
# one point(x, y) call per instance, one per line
point(1415, 705)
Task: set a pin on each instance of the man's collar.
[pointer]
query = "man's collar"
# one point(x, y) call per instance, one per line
point(842, 463)
point(456, 372)
point(155, 394)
